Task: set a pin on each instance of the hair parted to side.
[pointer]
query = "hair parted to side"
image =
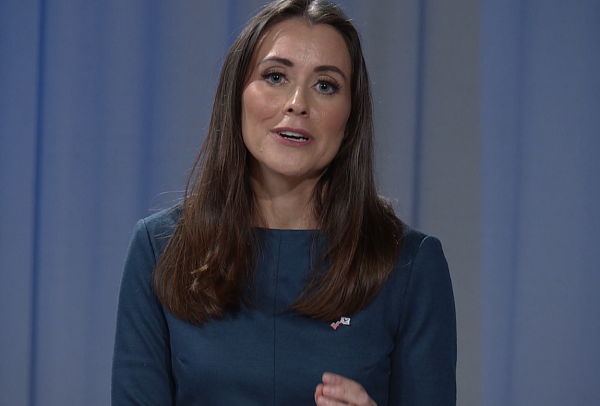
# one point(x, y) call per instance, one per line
point(208, 264)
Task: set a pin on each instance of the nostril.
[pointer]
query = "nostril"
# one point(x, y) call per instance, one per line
point(292, 110)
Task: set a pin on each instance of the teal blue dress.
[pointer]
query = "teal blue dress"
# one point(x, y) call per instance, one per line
point(401, 348)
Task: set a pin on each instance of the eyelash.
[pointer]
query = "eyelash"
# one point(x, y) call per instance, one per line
point(335, 87)
point(270, 73)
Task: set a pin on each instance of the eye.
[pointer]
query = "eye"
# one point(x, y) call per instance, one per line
point(273, 77)
point(276, 77)
point(327, 87)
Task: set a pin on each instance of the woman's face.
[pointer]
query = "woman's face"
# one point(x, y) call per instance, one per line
point(296, 100)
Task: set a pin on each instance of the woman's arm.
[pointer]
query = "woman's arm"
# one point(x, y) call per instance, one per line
point(424, 357)
point(141, 370)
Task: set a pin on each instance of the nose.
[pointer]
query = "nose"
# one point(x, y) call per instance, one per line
point(297, 103)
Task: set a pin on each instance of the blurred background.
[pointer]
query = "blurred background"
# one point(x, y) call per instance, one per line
point(488, 136)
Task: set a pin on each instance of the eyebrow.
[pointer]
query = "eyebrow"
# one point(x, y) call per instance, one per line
point(321, 68)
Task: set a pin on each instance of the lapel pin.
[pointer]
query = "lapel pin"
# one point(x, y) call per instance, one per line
point(344, 320)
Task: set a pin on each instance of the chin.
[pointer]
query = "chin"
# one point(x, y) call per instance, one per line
point(296, 173)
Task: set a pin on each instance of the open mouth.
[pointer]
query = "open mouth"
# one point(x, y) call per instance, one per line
point(292, 136)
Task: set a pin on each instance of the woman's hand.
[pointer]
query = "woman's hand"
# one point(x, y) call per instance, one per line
point(337, 390)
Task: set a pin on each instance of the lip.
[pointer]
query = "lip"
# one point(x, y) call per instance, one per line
point(285, 141)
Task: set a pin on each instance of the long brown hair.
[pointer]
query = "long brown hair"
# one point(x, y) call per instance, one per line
point(209, 262)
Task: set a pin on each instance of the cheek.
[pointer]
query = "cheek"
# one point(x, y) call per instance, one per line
point(338, 118)
point(256, 105)
point(337, 114)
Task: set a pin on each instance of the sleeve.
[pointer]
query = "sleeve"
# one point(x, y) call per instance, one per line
point(423, 361)
point(141, 369)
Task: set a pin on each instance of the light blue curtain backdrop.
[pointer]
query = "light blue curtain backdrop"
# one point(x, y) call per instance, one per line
point(488, 136)
point(540, 221)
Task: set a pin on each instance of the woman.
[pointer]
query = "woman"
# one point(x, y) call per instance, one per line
point(283, 278)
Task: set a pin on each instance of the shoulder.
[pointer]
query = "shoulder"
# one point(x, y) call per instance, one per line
point(421, 264)
point(417, 244)
point(158, 228)
point(163, 221)
point(422, 272)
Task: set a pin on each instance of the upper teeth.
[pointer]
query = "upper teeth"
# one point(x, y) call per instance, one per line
point(291, 134)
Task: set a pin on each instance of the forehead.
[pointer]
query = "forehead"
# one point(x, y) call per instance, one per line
point(295, 39)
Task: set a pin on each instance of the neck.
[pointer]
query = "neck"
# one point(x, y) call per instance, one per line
point(284, 204)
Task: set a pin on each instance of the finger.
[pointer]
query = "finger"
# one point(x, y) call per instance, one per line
point(318, 392)
point(322, 400)
point(347, 385)
point(339, 388)
point(325, 401)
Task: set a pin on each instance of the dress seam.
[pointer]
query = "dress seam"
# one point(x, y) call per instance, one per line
point(406, 288)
